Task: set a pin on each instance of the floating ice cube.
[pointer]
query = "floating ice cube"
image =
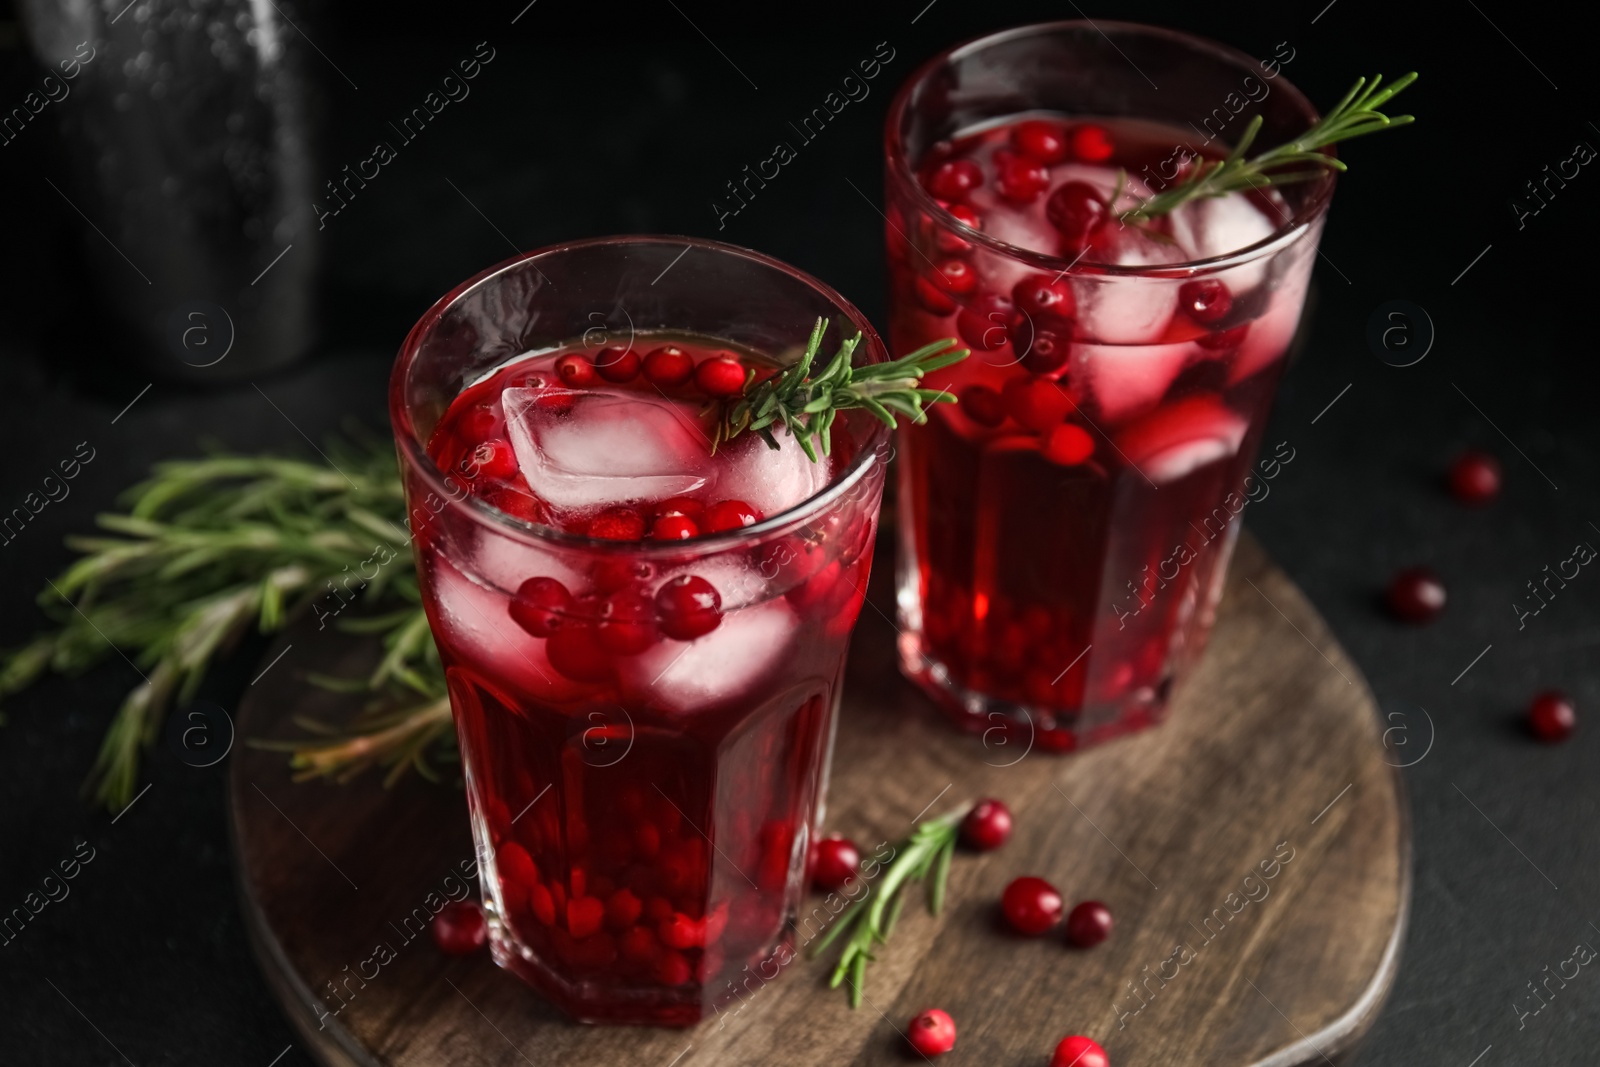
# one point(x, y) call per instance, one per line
point(1128, 380)
point(723, 665)
point(1182, 437)
point(506, 564)
point(478, 628)
point(1218, 226)
point(769, 480)
point(609, 447)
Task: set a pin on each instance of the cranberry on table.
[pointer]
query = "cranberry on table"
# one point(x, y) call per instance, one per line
point(1551, 717)
point(932, 1033)
point(953, 179)
point(1077, 1051)
point(576, 372)
point(720, 376)
point(459, 928)
point(987, 826)
point(1416, 595)
point(835, 860)
point(1475, 478)
point(668, 366)
point(1031, 905)
point(1088, 924)
point(540, 606)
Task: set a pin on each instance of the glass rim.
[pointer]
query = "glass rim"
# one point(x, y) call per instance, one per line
point(415, 452)
point(901, 172)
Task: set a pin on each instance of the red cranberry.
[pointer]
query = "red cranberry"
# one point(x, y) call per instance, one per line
point(541, 606)
point(955, 276)
point(720, 376)
point(576, 372)
point(1090, 143)
point(1040, 140)
point(728, 515)
point(834, 861)
point(1019, 178)
point(1047, 352)
point(610, 575)
point(983, 405)
point(627, 622)
point(1078, 1051)
point(1038, 403)
point(617, 524)
point(639, 945)
point(1206, 301)
point(931, 297)
point(688, 607)
point(459, 928)
point(494, 459)
point(1552, 717)
point(1416, 595)
point(1475, 478)
point(987, 826)
point(585, 916)
point(953, 179)
point(985, 324)
point(623, 909)
point(517, 505)
point(1031, 905)
point(1068, 445)
point(932, 1033)
point(1077, 210)
point(951, 244)
point(1045, 299)
point(515, 865)
point(674, 528)
point(673, 969)
point(617, 364)
point(669, 366)
point(681, 505)
point(1088, 924)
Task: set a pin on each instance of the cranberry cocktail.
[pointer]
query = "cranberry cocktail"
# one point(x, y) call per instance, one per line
point(1068, 522)
point(643, 637)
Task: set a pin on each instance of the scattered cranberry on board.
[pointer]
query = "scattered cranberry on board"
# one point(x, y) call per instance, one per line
point(1416, 595)
point(1077, 1051)
point(932, 1033)
point(834, 861)
point(987, 826)
point(1088, 924)
point(1474, 478)
point(1552, 717)
point(1031, 906)
point(459, 929)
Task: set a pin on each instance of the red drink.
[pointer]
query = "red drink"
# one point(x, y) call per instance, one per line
point(643, 640)
point(1070, 519)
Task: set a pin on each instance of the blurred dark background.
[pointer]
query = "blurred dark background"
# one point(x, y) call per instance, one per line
point(599, 118)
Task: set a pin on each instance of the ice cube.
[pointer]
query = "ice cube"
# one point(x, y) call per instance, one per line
point(610, 447)
point(769, 480)
point(1128, 380)
point(506, 564)
point(683, 676)
point(1220, 225)
point(1269, 336)
point(477, 627)
point(1182, 437)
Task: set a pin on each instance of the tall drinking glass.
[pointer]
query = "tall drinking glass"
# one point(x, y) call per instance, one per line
point(1067, 524)
point(643, 788)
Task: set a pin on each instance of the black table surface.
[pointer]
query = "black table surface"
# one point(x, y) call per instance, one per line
point(629, 119)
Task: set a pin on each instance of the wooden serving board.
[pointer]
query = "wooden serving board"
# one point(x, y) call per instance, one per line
point(1271, 761)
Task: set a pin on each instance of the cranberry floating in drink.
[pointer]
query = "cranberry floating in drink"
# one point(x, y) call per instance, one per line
point(643, 636)
point(1067, 524)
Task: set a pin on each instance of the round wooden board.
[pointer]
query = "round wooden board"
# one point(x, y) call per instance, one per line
point(1272, 749)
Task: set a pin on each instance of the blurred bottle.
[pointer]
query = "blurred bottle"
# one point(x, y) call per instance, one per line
point(187, 130)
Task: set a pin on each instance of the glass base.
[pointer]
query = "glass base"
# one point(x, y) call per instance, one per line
point(1011, 729)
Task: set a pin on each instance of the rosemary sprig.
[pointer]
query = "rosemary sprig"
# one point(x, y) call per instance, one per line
point(871, 919)
point(1299, 160)
point(209, 549)
point(806, 404)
